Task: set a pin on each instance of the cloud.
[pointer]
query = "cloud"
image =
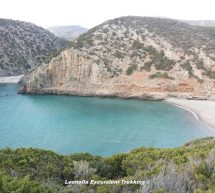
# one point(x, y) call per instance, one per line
point(89, 13)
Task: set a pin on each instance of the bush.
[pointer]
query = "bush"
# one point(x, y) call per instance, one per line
point(147, 66)
point(119, 55)
point(82, 170)
point(200, 65)
point(136, 54)
point(20, 185)
point(190, 167)
point(187, 66)
point(160, 61)
point(210, 74)
point(137, 45)
point(161, 75)
point(131, 69)
point(84, 40)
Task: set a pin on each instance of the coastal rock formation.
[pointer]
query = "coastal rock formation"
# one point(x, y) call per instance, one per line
point(24, 45)
point(133, 57)
point(68, 32)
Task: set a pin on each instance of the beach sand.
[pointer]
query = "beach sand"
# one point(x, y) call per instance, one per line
point(204, 109)
point(10, 79)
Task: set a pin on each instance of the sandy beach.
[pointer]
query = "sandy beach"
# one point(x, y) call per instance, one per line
point(204, 109)
point(10, 79)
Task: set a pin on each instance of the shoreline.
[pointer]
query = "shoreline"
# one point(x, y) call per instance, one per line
point(200, 106)
point(201, 109)
point(10, 79)
point(151, 96)
point(189, 110)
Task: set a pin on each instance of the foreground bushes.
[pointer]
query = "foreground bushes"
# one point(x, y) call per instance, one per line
point(20, 185)
point(190, 168)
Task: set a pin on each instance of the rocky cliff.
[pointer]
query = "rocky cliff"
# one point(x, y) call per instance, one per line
point(133, 57)
point(24, 45)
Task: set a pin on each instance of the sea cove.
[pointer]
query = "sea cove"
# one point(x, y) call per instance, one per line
point(100, 126)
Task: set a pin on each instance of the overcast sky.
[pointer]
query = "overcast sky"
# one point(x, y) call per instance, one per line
point(89, 13)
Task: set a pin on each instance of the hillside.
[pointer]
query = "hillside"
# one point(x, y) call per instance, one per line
point(209, 23)
point(69, 32)
point(24, 45)
point(186, 169)
point(133, 57)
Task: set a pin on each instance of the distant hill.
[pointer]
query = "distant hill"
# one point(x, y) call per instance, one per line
point(24, 45)
point(209, 23)
point(67, 32)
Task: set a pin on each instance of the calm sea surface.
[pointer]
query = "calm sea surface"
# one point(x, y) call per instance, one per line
point(104, 126)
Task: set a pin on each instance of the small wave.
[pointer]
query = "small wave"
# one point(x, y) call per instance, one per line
point(192, 112)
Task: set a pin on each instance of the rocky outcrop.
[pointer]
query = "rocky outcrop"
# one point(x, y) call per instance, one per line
point(133, 57)
point(24, 45)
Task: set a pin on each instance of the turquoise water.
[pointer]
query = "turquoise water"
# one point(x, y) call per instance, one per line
point(104, 126)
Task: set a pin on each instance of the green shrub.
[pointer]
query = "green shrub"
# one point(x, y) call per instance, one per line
point(136, 54)
point(160, 61)
point(210, 74)
point(187, 66)
point(161, 75)
point(119, 55)
point(34, 170)
point(102, 189)
point(131, 69)
point(200, 65)
point(83, 40)
point(20, 185)
point(137, 45)
point(147, 66)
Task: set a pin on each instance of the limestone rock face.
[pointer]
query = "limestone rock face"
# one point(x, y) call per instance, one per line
point(133, 57)
point(24, 46)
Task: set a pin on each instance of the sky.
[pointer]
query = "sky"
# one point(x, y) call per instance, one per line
point(89, 13)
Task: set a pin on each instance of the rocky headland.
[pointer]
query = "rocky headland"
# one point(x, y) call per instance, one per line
point(132, 57)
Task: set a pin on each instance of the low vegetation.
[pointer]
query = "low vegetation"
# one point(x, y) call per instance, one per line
point(160, 61)
point(161, 75)
point(119, 55)
point(24, 46)
point(124, 40)
point(137, 45)
point(190, 168)
point(131, 69)
point(210, 74)
point(187, 66)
